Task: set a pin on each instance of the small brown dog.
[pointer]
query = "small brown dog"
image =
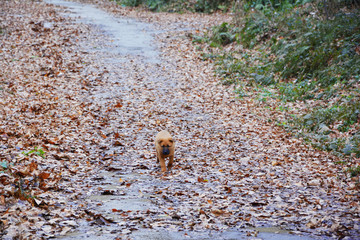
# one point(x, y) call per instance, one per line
point(165, 147)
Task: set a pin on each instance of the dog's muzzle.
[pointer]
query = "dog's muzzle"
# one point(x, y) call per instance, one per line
point(166, 151)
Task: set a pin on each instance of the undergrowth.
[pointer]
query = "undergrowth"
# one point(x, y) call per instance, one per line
point(306, 57)
point(207, 6)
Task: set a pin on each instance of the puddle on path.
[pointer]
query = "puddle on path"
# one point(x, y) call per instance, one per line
point(109, 197)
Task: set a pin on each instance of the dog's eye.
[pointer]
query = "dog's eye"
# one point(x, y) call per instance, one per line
point(160, 141)
point(171, 140)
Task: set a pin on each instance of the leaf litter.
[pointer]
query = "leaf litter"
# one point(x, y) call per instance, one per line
point(71, 109)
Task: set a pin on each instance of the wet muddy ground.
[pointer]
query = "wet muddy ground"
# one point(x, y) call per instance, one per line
point(235, 175)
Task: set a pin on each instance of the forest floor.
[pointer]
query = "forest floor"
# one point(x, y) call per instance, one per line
point(77, 125)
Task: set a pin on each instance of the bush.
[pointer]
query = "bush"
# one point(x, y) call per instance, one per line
point(305, 56)
point(257, 28)
point(222, 35)
point(131, 3)
point(308, 53)
point(209, 6)
point(180, 5)
point(322, 51)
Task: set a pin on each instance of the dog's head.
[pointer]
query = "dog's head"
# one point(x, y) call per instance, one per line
point(165, 145)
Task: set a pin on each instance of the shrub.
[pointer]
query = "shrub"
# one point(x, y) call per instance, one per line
point(321, 51)
point(305, 56)
point(222, 35)
point(209, 6)
point(131, 3)
point(180, 5)
point(257, 28)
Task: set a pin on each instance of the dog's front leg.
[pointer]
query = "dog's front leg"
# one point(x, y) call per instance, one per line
point(170, 163)
point(162, 164)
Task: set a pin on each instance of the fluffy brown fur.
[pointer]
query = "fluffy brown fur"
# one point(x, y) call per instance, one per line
point(165, 147)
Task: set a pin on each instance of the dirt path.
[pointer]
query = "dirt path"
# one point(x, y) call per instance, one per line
point(95, 111)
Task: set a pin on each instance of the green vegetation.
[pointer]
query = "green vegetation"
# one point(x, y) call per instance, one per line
point(179, 5)
point(36, 151)
point(354, 171)
point(223, 35)
point(302, 52)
